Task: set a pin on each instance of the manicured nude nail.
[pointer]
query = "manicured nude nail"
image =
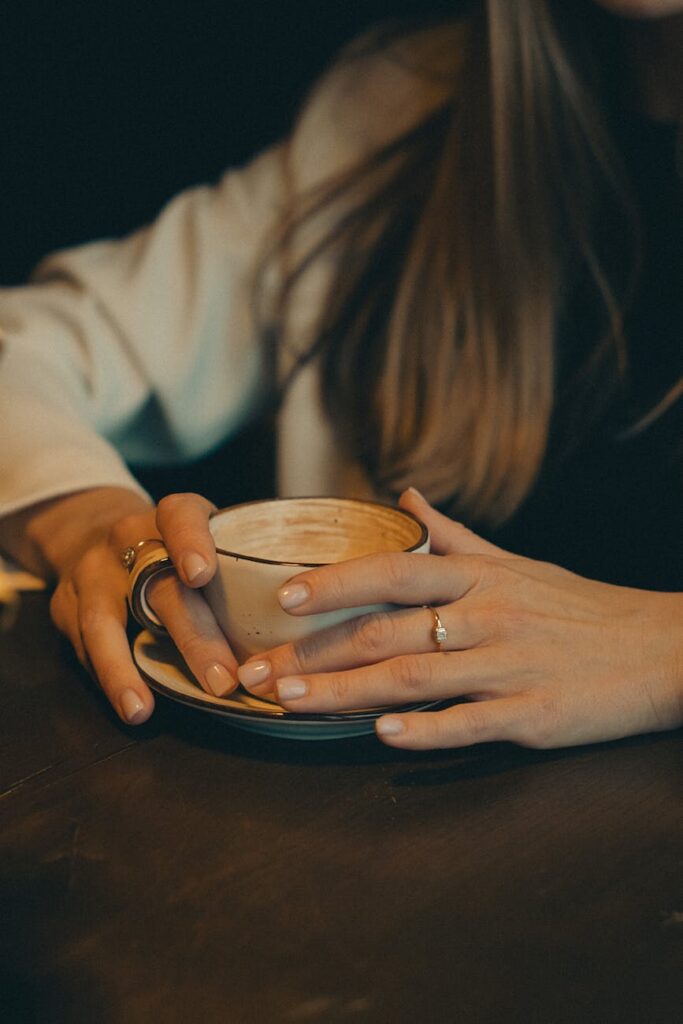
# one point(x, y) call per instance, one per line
point(418, 494)
point(131, 706)
point(293, 594)
point(390, 726)
point(219, 680)
point(290, 689)
point(254, 673)
point(193, 566)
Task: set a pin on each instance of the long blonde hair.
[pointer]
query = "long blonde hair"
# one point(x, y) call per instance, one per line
point(437, 342)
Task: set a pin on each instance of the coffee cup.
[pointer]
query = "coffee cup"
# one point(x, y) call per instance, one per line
point(262, 544)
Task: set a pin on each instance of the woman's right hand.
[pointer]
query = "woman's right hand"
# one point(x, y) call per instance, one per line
point(81, 538)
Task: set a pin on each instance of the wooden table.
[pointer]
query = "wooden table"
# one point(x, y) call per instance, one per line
point(186, 871)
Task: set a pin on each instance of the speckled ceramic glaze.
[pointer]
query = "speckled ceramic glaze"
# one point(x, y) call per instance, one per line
point(263, 544)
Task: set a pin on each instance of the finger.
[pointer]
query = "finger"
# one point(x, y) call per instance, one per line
point(183, 521)
point(413, 677)
point(64, 614)
point(363, 640)
point(195, 632)
point(463, 725)
point(394, 578)
point(447, 536)
point(102, 620)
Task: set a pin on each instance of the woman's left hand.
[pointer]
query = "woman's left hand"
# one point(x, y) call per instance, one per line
point(543, 657)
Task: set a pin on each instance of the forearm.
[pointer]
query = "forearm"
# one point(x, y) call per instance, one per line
point(46, 537)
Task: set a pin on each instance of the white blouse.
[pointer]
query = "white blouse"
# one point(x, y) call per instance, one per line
point(145, 350)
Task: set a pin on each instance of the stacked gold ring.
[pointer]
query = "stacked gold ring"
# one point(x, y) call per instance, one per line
point(142, 565)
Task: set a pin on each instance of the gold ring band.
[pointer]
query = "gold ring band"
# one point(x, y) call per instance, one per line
point(439, 633)
point(129, 555)
point(142, 567)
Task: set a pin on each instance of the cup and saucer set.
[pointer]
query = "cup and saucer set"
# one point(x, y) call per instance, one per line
point(260, 546)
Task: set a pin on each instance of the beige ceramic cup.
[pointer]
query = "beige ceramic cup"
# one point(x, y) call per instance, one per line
point(262, 544)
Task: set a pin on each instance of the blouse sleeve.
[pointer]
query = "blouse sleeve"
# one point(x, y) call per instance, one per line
point(140, 350)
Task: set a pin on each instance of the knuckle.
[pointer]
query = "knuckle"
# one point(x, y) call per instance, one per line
point(472, 622)
point(90, 561)
point(485, 569)
point(170, 504)
point(408, 673)
point(371, 633)
point(182, 511)
point(503, 621)
point(473, 722)
point(539, 728)
point(302, 654)
point(439, 729)
point(398, 571)
point(339, 686)
point(128, 527)
point(191, 645)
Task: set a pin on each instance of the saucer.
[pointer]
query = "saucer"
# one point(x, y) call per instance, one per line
point(166, 673)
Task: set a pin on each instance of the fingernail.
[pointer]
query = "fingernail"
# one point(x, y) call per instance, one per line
point(419, 494)
point(390, 726)
point(131, 706)
point(290, 689)
point(293, 595)
point(193, 566)
point(219, 680)
point(254, 672)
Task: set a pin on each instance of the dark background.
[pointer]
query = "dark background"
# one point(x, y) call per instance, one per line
point(110, 107)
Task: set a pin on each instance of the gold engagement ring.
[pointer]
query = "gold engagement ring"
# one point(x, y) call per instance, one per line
point(439, 632)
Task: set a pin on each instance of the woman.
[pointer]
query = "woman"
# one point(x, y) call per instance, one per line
point(446, 265)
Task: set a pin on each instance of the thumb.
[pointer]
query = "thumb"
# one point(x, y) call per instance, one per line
point(447, 536)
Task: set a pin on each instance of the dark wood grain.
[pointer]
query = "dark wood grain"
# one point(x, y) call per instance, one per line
point(186, 871)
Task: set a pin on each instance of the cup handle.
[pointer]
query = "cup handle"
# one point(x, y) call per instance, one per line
point(145, 569)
